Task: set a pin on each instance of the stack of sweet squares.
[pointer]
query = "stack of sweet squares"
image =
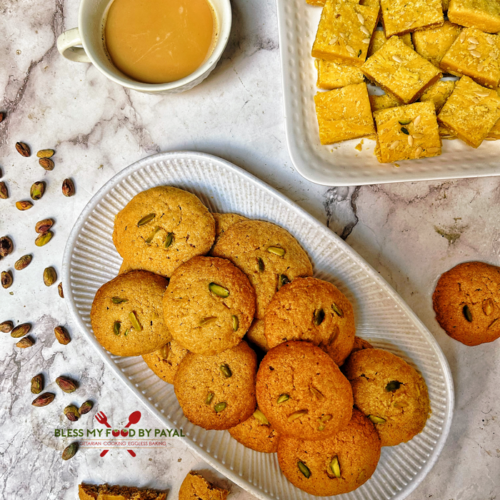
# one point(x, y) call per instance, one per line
point(197, 289)
point(407, 60)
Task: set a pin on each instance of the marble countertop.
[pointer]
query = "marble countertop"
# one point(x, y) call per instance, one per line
point(409, 232)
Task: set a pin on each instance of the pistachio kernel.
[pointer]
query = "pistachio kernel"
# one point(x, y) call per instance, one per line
point(226, 371)
point(86, 407)
point(467, 313)
point(23, 205)
point(164, 351)
point(60, 290)
point(23, 262)
point(150, 238)
point(337, 310)
point(62, 335)
point(146, 219)
point(23, 149)
point(205, 321)
point(280, 252)
point(318, 316)
point(135, 322)
point(260, 264)
point(4, 192)
point(304, 469)
point(6, 279)
point(169, 240)
point(43, 239)
point(282, 398)
point(25, 343)
point(236, 323)
point(6, 246)
point(220, 407)
point(218, 290)
point(377, 420)
point(70, 451)
point(297, 414)
point(37, 190)
point(405, 131)
point(488, 306)
point(118, 300)
point(49, 276)
point(405, 122)
point(68, 188)
point(71, 412)
point(20, 330)
point(335, 466)
point(393, 386)
point(46, 163)
point(66, 384)
point(6, 326)
point(318, 394)
point(37, 384)
point(116, 327)
point(260, 417)
point(43, 226)
point(44, 399)
point(127, 331)
point(209, 398)
point(45, 153)
point(282, 280)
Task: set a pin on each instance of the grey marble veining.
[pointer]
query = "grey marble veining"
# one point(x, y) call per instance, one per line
point(409, 232)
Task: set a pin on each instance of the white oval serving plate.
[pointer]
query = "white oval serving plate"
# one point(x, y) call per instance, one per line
point(382, 317)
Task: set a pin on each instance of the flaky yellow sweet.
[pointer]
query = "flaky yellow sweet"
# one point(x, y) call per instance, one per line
point(344, 114)
point(480, 14)
point(439, 93)
point(379, 39)
point(471, 111)
point(333, 76)
point(386, 101)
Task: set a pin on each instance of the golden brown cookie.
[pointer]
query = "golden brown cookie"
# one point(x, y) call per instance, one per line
point(209, 305)
point(217, 392)
point(302, 391)
point(360, 344)
point(335, 465)
point(166, 360)
point(467, 303)
point(88, 491)
point(313, 310)
point(127, 314)
point(256, 335)
point(161, 228)
point(256, 433)
point(268, 254)
point(224, 221)
point(390, 392)
point(196, 487)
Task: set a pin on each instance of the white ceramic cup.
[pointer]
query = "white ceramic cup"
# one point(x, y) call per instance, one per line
point(86, 44)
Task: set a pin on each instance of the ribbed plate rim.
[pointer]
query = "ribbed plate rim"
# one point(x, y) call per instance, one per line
point(194, 155)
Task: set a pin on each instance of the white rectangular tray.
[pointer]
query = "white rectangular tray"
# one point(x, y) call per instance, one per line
point(90, 260)
point(341, 164)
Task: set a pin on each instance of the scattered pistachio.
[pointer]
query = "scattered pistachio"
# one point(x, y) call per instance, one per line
point(44, 225)
point(4, 192)
point(318, 394)
point(297, 414)
point(25, 343)
point(44, 238)
point(45, 153)
point(60, 290)
point(149, 239)
point(44, 399)
point(23, 205)
point(226, 371)
point(282, 280)
point(261, 265)
point(492, 323)
point(135, 322)
point(304, 469)
point(319, 316)
point(323, 421)
point(405, 131)
point(37, 190)
point(260, 417)
point(276, 251)
point(282, 398)
point(393, 386)
point(86, 407)
point(146, 219)
point(23, 149)
point(236, 323)
point(335, 466)
point(127, 331)
point(66, 384)
point(49, 276)
point(337, 310)
point(37, 384)
point(116, 327)
point(118, 300)
point(405, 122)
point(488, 306)
point(164, 351)
point(20, 330)
point(376, 420)
point(6, 326)
point(169, 240)
point(467, 313)
point(70, 451)
point(46, 163)
point(205, 321)
point(209, 398)
point(72, 413)
point(218, 290)
point(23, 262)
point(220, 407)
point(6, 279)
point(68, 187)
point(62, 335)
point(6, 246)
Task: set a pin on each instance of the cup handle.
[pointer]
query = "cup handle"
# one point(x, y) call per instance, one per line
point(67, 45)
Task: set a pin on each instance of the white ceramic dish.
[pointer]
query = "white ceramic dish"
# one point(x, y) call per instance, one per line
point(90, 260)
point(341, 164)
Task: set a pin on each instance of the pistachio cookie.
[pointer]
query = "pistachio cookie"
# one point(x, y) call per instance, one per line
point(268, 254)
point(335, 465)
point(224, 221)
point(209, 305)
point(127, 315)
point(196, 487)
point(360, 344)
point(302, 391)
point(256, 433)
point(256, 335)
point(313, 310)
point(165, 361)
point(467, 303)
point(217, 392)
point(390, 392)
point(161, 228)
